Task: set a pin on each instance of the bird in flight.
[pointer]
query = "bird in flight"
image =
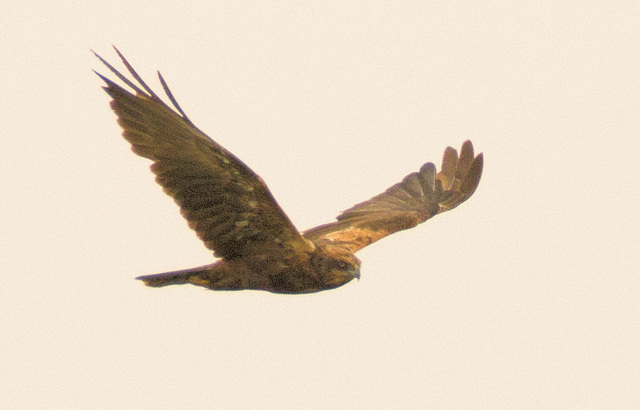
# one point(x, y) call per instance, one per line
point(233, 212)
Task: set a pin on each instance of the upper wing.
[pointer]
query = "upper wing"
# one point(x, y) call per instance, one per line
point(225, 202)
point(417, 198)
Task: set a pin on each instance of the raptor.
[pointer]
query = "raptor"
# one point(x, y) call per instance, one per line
point(233, 212)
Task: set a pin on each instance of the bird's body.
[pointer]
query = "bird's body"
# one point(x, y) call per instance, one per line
point(317, 270)
point(236, 216)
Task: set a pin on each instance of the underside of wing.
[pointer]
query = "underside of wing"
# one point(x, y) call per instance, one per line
point(226, 203)
point(418, 197)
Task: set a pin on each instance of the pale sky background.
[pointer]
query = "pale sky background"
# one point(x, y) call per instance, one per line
point(526, 296)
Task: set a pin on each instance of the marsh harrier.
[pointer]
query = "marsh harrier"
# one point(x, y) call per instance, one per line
point(234, 214)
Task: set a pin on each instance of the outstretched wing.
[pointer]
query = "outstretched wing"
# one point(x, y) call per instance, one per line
point(225, 202)
point(417, 198)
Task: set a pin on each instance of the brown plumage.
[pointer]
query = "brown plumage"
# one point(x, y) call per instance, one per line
point(234, 214)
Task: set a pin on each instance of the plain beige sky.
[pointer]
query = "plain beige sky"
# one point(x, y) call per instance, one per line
point(526, 296)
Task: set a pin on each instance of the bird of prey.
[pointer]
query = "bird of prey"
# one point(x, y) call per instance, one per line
point(233, 212)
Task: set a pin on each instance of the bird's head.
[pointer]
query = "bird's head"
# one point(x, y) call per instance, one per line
point(338, 266)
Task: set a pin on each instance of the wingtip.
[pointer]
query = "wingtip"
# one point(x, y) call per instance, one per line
point(472, 179)
point(467, 149)
point(478, 162)
point(116, 49)
point(99, 57)
point(103, 78)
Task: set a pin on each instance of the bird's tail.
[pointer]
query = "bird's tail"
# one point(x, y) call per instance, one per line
point(194, 276)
